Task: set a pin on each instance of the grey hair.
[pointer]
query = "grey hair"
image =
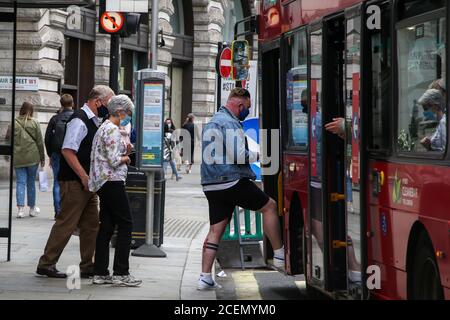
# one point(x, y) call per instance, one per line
point(432, 97)
point(100, 92)
point(119, 103)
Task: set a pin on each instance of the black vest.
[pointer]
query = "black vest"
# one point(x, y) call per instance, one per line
point(84, 152)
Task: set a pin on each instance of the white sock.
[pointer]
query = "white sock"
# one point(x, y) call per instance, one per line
point(206, 276)
point(279, 253)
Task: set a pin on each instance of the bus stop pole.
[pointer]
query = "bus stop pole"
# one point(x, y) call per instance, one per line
point(150, 207)
point(149, 249)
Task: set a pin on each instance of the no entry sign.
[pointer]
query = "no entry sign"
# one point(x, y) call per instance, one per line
point(111, 22)
point(225, 63)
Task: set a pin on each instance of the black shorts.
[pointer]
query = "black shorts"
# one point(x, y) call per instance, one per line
point(244, 194)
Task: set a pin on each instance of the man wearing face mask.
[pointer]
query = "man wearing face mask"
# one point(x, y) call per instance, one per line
point(227, 177)
point(79, 206)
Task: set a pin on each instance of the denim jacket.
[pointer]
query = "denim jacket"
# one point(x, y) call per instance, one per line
point(220, 163)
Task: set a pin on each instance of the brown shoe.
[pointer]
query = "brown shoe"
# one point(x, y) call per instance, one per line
point(51, 273)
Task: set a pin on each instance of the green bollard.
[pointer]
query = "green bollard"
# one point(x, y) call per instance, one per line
point(248, 228)
point(258, 222)
point(226, 235)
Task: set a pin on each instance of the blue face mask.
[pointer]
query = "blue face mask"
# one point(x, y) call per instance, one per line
point(429, 115)
point(244, 113)
point(125, 121)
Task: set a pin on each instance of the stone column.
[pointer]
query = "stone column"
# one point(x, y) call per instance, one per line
point(166, 10)
point(208, 24)
point(39, 40)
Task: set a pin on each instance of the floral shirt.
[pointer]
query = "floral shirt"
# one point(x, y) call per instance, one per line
point(107, 151)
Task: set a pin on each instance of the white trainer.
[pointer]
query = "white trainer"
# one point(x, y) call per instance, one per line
point(278, 262)
point(126, 281)
point(102, 280)
point(20, 213)
point(209, 284)
point(34, 211)
point(354, 276)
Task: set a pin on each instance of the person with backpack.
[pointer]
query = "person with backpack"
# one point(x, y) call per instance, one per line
point(54, 138)
point(28, 153)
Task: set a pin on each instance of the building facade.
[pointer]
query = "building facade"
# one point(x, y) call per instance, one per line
point(69, 55)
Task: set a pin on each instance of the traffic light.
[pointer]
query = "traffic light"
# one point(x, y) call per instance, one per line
point(131, 25)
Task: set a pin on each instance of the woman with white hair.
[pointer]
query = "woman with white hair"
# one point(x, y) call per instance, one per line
point(433, 100)
point(108, 173)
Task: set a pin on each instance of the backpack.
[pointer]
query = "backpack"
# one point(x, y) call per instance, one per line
point(59, 131)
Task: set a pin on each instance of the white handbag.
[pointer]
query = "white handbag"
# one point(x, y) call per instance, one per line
point(43, 181)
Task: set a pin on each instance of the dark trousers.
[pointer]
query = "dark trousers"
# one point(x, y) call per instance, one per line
point(114, 211)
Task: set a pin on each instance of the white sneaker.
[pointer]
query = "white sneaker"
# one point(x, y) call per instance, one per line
point(34, 211)
point(278, 262)
point(126, 281)
point(204, 284)
point(354, 276)
point(102, 280)
point(20, 213)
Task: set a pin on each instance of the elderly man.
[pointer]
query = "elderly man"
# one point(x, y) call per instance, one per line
point(433, 100)
point(107, 177)
point(79, 206)
point(227, 182)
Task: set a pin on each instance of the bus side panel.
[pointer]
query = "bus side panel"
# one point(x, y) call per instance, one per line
point(410, 193)
point(439, 233)
point(381, 254)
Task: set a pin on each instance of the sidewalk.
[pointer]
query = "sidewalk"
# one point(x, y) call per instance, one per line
point(171, 278)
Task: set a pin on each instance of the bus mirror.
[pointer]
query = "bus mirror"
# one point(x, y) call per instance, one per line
point(240, 60)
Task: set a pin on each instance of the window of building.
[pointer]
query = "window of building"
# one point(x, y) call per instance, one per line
point(297, 91)
point(78, 62)
point(130, 61)
point(421, 126)
point(233, 13)
point(380, 80)
point(177, 19)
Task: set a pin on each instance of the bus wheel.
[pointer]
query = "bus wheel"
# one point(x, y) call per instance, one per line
point(426, 284)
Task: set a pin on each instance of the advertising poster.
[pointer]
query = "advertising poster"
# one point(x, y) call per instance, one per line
point(250, 85)
point(355, 130)
point(314, 137)
point(152, 125)
point(299, 116)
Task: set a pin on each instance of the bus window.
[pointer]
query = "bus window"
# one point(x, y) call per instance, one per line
point(297, 93)
point(421, 87)
point(380, 87)
point(411, 8)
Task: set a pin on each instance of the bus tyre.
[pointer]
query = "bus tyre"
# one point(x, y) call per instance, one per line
point(426, 283)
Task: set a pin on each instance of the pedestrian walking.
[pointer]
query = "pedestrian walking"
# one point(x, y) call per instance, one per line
point(168, 156)
point(108, 173)
point(227, 182)
point(169, 126)
point(54, 138)
point(28, 154)
point(189, 146)
point(79, 206)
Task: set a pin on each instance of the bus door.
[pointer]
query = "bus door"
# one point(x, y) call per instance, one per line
point(270, 120)
point(7, 98)
point(326, 254)
point(353, 159)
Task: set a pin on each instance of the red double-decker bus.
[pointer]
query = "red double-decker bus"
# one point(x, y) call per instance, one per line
point(366, 215)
